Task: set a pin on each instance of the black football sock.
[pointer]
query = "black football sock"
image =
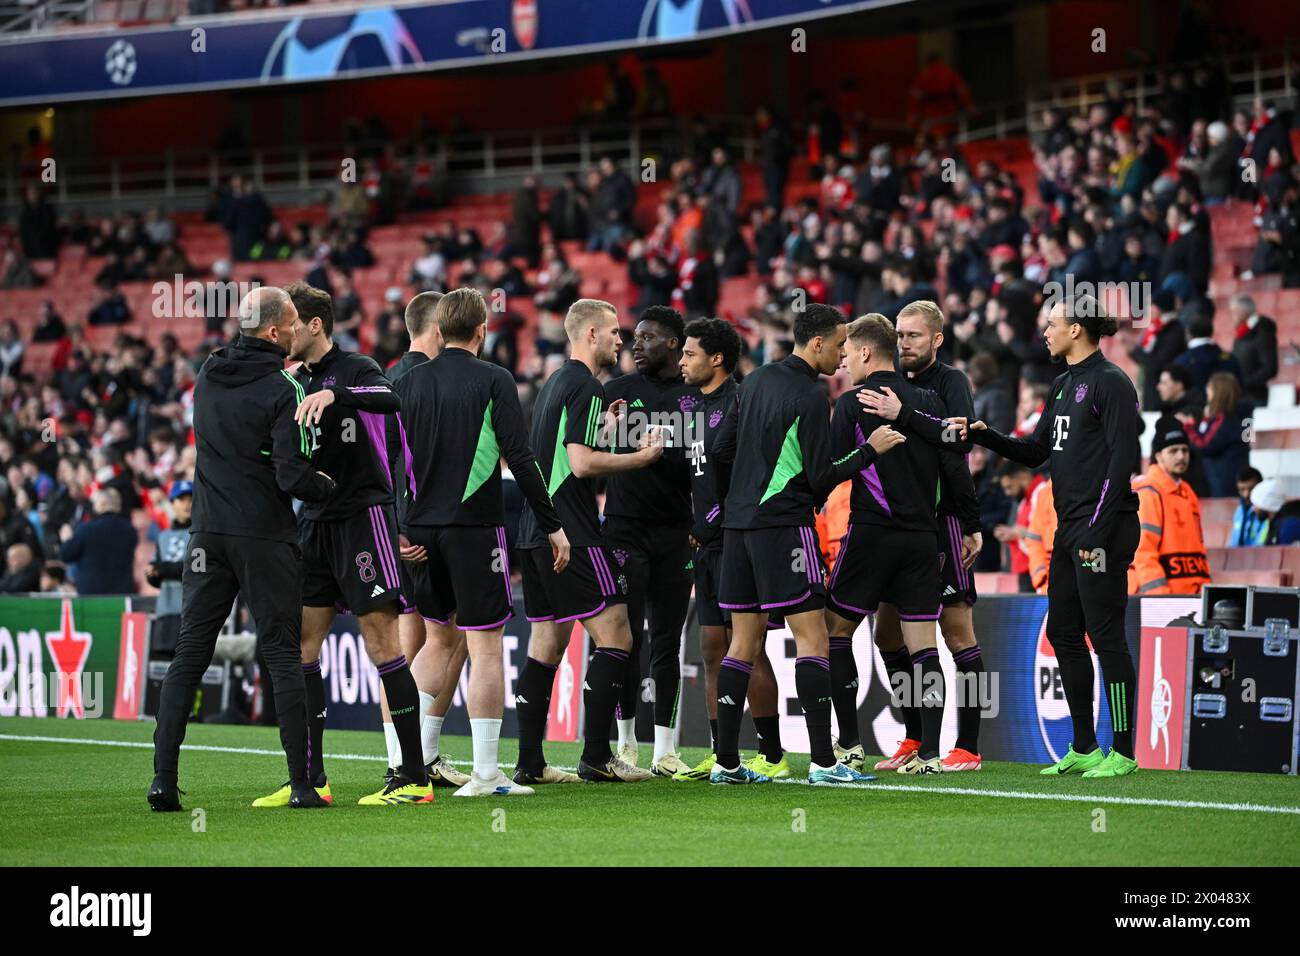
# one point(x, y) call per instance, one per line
point(812, 682)
point(844, 690)
point(713, 733)
point(929, 691)
point(532, 706)
point(733, 684)
point(769, 738)
point(900, 662)
point(601, 687)
point(315, 723)
point(404, 706)
point(1121, 689)
point(1077, 677)
point(970, 665)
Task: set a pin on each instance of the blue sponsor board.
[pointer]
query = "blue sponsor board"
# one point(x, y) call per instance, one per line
point(233, 52)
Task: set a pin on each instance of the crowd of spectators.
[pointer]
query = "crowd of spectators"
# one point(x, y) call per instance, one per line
point(1122, 195)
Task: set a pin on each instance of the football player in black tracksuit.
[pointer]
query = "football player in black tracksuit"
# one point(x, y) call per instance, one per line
point(891, 550)
point(253, 459)
point(569, 433)
point(437, 652)
point(709, 358)
point(1088, 433)
point(350, 544)
point(465, 416)
point(777, 440)
point(920, 333)
point(647, 531)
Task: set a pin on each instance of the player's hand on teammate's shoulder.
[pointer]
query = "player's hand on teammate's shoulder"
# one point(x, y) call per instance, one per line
point(559, 549)
point(885, 438)
point(311, 408)
point(884, 403)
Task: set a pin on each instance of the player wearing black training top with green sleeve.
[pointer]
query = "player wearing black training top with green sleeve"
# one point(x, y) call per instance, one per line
point(569, 434)
point(466, 417)
point(1088, 434)
point(647, 530)
point(777, 438)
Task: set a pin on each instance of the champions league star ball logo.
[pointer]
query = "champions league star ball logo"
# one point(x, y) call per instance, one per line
point(1079, 393)
point(714, 417)
point(1054, 723)
point(119, 62)
point(368, 40)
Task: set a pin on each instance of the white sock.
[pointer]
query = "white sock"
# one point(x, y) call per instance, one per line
point(663, 741)
point(626, 732)
point(426, 702)
point(394, 748)
point(486, 732)
point(430, 731)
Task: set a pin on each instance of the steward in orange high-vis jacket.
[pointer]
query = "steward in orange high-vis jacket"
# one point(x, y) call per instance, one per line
point(1170, 557)
point(1037, 544)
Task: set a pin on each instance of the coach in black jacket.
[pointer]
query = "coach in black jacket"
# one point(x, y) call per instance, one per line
point(253, 459)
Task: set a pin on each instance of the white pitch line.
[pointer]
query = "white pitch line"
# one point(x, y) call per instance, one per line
point(894, 787)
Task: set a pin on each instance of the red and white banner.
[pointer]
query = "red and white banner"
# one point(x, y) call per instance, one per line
point(130, 666)
point(565, 721)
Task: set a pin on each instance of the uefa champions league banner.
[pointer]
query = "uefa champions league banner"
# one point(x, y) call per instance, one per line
point(209, 54)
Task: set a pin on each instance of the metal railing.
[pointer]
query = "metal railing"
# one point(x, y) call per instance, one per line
point(474, 161)
point(1270, 74)
point(25, 18)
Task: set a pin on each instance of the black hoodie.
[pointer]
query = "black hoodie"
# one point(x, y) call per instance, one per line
point(253, 458)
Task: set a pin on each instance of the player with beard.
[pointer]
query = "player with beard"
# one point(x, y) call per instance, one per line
point(436, 651)
point(776, 438)
point(920, 333)
point(708, 359)
point(349, 544)
point(1088, 433)
point(570, 428)
point(647, 530)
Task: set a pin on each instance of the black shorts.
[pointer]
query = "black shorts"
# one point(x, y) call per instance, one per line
point(957, 580)
point(877, 564)
point(708, 572)
point(772, 569)
point(467, 574)
point(352, 564)
point(582, 590)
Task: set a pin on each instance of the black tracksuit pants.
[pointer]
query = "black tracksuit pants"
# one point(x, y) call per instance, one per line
point(657, 563)
point(1093, 599)
point(269, 575)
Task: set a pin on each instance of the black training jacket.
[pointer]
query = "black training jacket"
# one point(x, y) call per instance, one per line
point(351, 441)
point(463, 416)
point(953, 390)
point(1088, 432)
point(777, 441)
point(661, 493)
point(701, 436)
point(900, 489)
point(253, 458)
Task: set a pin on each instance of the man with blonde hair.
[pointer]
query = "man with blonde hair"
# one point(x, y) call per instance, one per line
point(570, 435)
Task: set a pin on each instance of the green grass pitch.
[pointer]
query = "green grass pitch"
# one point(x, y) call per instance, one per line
point(82, 804)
